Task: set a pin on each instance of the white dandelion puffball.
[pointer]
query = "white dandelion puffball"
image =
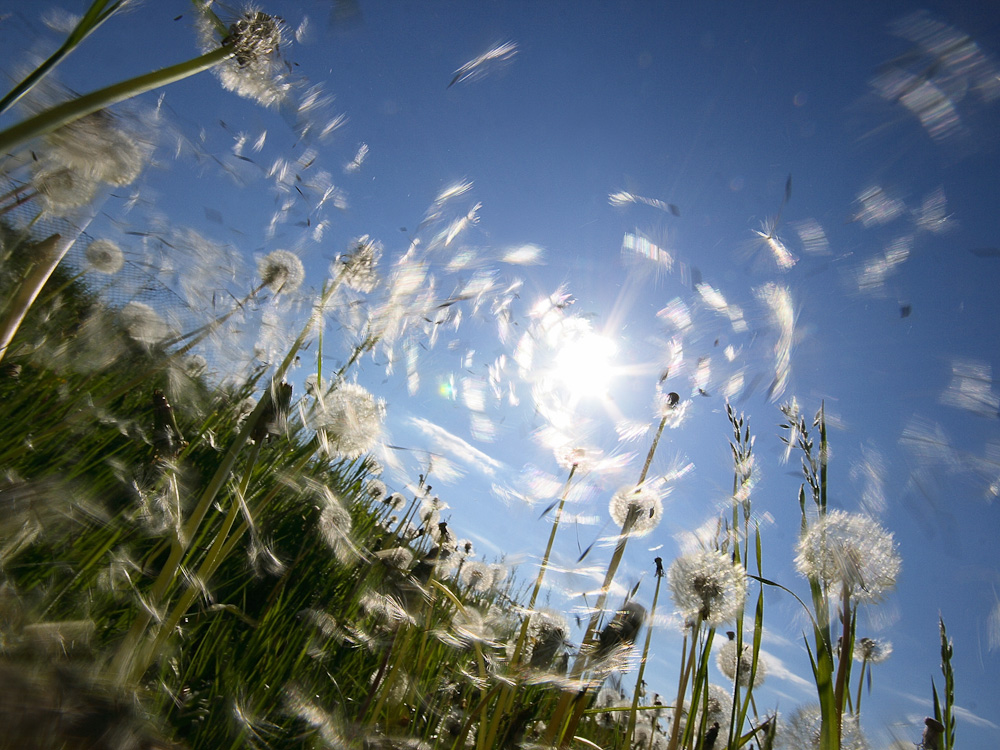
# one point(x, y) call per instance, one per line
point(738, 668)
point(63, 189)
point(282, 271)
point(143, 323)
point(642, 504)
point(104, 256)
point(256, 70)
point(707, 584)
point(101, 146)
point(852, 550)
point(871, 650)
point(477, 576)
point(352, 418)
point(802, 731)
point(359, 269)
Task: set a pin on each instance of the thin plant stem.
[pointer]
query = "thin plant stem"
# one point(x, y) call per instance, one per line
point(861, 680)
point(507, 694)
point(685, 672)
point(96, 15)
point(630, 733)
point(181, 541)
point(81, 106)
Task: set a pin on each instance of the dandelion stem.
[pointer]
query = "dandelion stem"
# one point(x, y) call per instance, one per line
point(682, 684)
point(645, 654)
point(652, 450)
point(81, 106)
point(861, 680)
point(507, 694)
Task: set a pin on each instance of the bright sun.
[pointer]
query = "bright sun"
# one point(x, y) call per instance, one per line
point(585, 366)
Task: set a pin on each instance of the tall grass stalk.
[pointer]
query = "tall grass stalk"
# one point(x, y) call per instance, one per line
point(98, 12)
point(127, 666)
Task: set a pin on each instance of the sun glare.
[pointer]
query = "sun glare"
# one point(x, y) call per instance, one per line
point(585, 365)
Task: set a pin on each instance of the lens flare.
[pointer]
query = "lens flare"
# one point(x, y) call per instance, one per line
point(585, 365)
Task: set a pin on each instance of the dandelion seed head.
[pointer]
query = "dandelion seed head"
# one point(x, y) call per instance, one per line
point(717, 710)
point(802, 731)
point(335, 525)
point(642, 506)
point(358, 269)
point(104, 256)
point(606, 698)
point(394, 502)
point(374, 490)
point(707, 584)
point(64, 190)
point(100, 147)
point(477, 576)
point(143, 323)
point(282, 271)
point(871, 650)
point(733, 666)
point(352, 419)
point(256, 70)
point(669, 406)
point(852, 550)
point(399, 558)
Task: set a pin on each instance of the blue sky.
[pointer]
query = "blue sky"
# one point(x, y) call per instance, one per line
point(710, 108)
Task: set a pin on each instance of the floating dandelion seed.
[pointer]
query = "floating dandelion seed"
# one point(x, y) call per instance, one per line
point(737, 668)
point(707, 584)
point(476, 67)
point(355, 164)
point(282, 271)
point(782, 255)
point(352, 418)
point(851, 550)
point(642, 506)
point(105, 257)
